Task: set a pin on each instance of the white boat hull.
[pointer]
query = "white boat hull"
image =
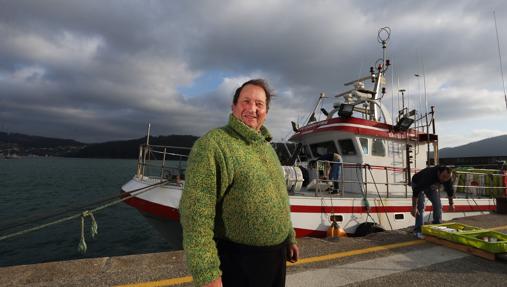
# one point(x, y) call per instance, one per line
point(311, 215)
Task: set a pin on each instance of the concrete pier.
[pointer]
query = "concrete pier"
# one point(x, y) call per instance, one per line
point(389, 258)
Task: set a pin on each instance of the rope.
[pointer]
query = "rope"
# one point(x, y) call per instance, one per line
point(39, 217)
point(380, 197)
point(94, 227)
point(366, 204)
point(82, 247)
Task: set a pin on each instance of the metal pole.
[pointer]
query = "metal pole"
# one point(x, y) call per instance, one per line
point(435, 144)
point(163, 165)
point(387, 181)
point(139, 161)
point(342, 167)
point(148, 135)
point(145, 149)
point(365, 181)
point(317, 189)
point(406, 190)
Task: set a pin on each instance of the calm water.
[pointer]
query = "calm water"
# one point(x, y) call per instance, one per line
point(31, 187)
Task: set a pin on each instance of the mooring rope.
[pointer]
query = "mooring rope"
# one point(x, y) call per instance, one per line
point(87, 213)
point(43, 216)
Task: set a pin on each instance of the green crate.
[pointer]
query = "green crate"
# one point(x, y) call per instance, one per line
point(438, 230)
point(476, 239)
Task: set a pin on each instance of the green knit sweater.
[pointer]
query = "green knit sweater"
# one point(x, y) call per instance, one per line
point(234, 190)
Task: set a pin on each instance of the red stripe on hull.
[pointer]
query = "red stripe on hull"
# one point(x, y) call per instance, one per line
point(154, 209)
point(166, 212)
point(382, 209)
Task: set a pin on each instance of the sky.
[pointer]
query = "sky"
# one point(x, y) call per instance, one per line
point(97, 71)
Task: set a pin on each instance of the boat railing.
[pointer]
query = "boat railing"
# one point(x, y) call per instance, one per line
point(365, 180)
point(482, 182)
point(159, 163)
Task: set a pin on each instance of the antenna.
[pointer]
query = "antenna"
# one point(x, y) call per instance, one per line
point(500, 59)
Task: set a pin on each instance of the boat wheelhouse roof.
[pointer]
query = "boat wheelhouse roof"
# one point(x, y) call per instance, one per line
point(360, 127)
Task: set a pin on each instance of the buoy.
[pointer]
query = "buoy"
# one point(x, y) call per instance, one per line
point(336, 230)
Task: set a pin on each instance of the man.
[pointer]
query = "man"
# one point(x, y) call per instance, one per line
point(234, 209)
point(332, 169)
point(426, 182)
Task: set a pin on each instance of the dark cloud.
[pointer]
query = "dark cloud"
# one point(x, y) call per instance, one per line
point(95, 70)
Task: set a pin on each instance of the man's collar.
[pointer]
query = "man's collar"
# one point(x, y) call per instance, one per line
point(247, 133)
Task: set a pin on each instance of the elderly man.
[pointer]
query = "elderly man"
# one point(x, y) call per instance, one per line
point(426, 182)
point(234, 209)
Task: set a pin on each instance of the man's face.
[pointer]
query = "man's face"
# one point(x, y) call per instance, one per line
point(251, 106)
point(444, 176)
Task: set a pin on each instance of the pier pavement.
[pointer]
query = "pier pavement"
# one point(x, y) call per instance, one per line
point(391, 258)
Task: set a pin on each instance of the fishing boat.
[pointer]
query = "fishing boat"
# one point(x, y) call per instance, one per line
point(379, 155)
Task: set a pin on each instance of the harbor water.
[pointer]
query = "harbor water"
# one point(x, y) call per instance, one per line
point(32, 187)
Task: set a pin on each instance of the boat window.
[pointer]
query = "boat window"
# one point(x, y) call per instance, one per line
point(378, 148)
point(323, 148)
point(347, 147)
point(364, 145)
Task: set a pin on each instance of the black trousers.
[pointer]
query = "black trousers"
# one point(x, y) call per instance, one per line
point(252, 266)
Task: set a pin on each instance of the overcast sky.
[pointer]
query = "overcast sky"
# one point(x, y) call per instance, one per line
point(101, 70)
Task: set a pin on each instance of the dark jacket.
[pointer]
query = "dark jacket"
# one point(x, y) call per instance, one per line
point(427, 177)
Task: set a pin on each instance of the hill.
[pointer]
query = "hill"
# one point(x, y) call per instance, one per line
point(130, 148)
point(490, 147)
point(27, 145)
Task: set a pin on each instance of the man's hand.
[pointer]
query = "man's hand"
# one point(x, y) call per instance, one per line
point(215, 283)
point(451, 207)
point(414, 211)
point(292, 253)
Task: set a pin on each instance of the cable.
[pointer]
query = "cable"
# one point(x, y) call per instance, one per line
point(365, 198)
point(381, 201)
point(500, 59)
